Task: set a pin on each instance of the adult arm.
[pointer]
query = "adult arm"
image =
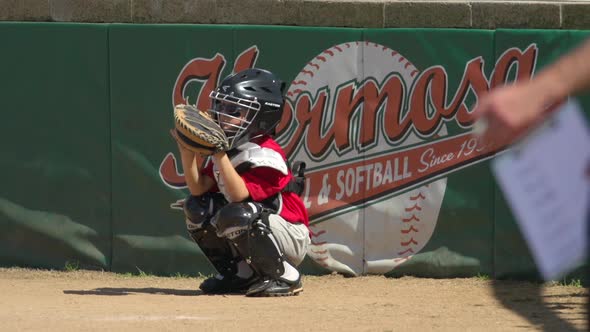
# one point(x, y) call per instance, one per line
point(509, 111)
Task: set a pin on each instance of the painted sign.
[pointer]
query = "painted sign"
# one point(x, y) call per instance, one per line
point(372, 128)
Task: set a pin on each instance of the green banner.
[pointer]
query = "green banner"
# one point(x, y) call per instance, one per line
point(395, 184)
point(55, 202)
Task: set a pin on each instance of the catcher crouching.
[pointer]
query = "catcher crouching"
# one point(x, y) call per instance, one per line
point(244, 209)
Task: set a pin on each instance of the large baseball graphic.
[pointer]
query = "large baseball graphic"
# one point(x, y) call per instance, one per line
point(380, 235)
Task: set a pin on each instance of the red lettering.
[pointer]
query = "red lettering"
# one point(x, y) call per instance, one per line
point(525, 61)
point(246, 59)
point(427, 105)
point(308, 115)
point(307, 121)
point(393, 124)
point(169, 172)
point(346, 102)
point(431, 86)
point(474, 79)
point(200, 70)
point(286, 119)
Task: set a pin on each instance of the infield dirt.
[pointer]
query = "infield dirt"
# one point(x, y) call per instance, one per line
point(37, 300)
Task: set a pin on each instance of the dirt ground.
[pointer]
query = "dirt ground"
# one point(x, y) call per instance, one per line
point(33, 300)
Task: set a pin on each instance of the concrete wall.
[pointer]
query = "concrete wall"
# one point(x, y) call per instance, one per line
point(335, 13)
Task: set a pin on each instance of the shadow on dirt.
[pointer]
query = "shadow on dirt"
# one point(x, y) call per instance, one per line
point(108, 291)
point(528, 300)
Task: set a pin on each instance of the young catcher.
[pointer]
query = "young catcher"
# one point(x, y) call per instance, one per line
point(244, 209)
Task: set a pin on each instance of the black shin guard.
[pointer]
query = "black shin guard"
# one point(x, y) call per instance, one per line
point(198, 211)
point(246, 225)
point(261, 250)
point(217, 250)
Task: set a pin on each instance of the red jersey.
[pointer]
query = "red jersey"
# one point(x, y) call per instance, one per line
point(265, 177)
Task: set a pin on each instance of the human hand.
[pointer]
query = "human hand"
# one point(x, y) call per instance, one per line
point(508, 112)
point(182, 148)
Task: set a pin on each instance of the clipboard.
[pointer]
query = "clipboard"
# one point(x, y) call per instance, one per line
point(546, 183)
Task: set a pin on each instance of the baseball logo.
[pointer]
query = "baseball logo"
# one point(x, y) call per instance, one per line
point(385, 231)
point(371, 128)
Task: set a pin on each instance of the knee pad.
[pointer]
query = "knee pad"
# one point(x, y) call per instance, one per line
point(234, 219)
point(246, 225)
point(199, 209)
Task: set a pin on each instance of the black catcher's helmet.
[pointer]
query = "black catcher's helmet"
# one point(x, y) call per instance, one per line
point(248, 104)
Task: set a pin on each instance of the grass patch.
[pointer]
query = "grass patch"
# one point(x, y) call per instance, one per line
point(482, 277)
point(565, 282)
point(179, 275)
point(571, 283)
point(204, 276)
point(141, 273)
point(71, 266)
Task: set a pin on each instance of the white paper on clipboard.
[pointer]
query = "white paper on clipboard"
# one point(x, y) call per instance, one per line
point(545, 180)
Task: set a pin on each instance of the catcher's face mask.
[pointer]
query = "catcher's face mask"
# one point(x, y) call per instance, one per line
point(234, 115)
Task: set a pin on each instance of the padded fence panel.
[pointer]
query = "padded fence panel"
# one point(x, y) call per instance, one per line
point(55, 129)
point(511, 254)
point(460, 242)
point(90, 175)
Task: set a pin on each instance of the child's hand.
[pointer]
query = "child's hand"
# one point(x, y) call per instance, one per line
point(181, 147)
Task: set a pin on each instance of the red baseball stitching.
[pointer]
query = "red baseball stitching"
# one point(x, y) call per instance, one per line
point(407, 243)
point(412, 218)
point(416, 198)
point(314, 65)
point(411, 229)
point(330, 52)
point(409, 250)
point(413, 198)
point(415, 207)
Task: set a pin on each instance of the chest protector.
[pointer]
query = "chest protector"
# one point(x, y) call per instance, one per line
point(251, 155)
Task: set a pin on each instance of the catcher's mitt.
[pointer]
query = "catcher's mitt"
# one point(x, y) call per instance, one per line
point(196, 131)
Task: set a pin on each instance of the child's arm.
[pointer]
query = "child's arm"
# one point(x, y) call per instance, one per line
point(234, 184)
point(196, 183)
